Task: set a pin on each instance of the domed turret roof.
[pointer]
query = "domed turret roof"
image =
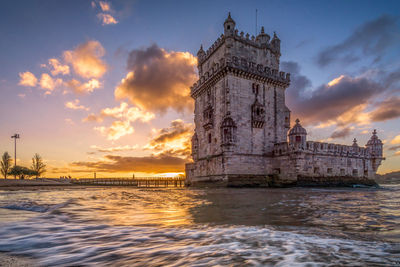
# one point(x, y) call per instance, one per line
point(374, 140)
point(297, 129)
point(201, 51)
point(229, 19)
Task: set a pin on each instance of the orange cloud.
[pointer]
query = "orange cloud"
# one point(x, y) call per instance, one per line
point(93, 117)
point(48, 83)
point(75, 105)
point(83, 88)
point(114, 149)
point(86, 59)
point(58, 68)
point(27, 79)
point(105, 6)
point(396, 140)
point(173, 140)
point(158, 80)
point(106, 19)
point(117, 130)
point(147, 164)
point(124, 112)
point(131, 114)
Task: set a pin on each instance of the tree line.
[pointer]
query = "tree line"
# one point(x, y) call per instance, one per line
point(37, 168)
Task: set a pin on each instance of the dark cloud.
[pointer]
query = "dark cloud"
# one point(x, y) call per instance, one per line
point(369, 39)
point(394, 148)
point(341, 133)
point(177, 129)
point(298, 84)
point(386, 110)
point(149, 164)
point(158, 80)
point(327, 101)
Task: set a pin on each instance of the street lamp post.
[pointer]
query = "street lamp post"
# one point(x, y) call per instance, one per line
point(15, 136)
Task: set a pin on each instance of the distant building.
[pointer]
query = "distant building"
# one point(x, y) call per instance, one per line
point(242, 123)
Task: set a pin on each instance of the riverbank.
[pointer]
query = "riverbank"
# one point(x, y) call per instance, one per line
point(15, 261)
point(34, 184)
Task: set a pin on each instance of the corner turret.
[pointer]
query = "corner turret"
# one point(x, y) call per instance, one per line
point(229, 26)
point(276, 44)
point(375, 147)
point(263, 38)
point(298, 135)
point(200, 58)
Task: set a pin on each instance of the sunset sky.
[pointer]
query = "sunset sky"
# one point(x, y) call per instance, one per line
point(103, 86)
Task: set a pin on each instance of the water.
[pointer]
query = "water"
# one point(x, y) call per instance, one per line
point(203, 227)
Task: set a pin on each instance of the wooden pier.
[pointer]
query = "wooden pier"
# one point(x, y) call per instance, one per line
point(137, 182)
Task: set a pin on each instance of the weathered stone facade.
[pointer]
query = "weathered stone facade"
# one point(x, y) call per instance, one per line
point(242, 122)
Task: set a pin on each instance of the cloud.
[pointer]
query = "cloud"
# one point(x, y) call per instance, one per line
point(105, 6)
point(69, 121)
point(173, 140)
point(396, 140)
point(158, 80)
point(106, 19)
point(21, 95)
point(57, 67)
point(86, 59)
point(370, 39)
point(27, 79)
point(148, 164)
point(75, 105)
point(298, 84)
point(386, 110)
point(83, 88)
point(125, 112)
point(341, 133)
point(106, 14)
point(93, 118)
point(114, 149)
point(48, 83)
point(341, 101)
point(117, 130)
point(397, 153)
point(394, 148)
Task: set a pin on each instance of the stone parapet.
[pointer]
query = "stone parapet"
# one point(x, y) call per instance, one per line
point(322, 148)
point(241, 68)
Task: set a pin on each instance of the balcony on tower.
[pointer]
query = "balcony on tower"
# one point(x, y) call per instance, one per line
point(208, 118)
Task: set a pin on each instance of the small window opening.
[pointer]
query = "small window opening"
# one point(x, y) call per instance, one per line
point(209, 138)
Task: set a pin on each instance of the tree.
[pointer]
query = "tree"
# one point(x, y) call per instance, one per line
point(22, 172)
point(37, 165)
point(5, 164)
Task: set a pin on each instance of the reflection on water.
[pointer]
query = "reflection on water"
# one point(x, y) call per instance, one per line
point(130, 226)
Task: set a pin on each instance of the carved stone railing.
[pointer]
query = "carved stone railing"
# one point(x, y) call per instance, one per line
point(322, 148)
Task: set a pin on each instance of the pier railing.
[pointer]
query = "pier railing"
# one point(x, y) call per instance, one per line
point(137, 181)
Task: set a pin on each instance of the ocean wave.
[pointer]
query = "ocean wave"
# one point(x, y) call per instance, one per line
point(34, 206)
point(205, 245)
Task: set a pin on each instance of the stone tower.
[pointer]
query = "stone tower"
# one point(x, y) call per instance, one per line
point(240, 110)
